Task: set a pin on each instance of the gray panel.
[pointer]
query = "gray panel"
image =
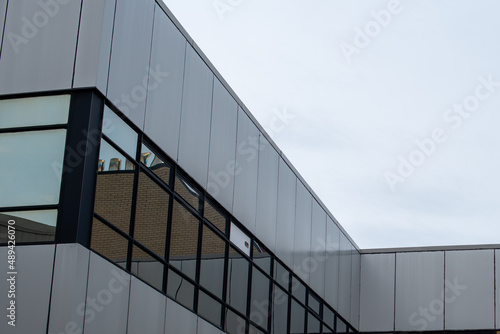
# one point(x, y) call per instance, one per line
point(195, 118)
point(419, 284)
point(107, 297)
point(130, 54)
point(3, 7)
point(146, 309)
point(302, 241)
point(469, 290)
point(355, 278)
point(332, 263)
point(377, 293)
point(345, 266)
point(39, 43)
point(497, 287)
point(318, 248)
point(179, 319)
point(246, 169)
point(94, 44)
point(222, 146)
point(69, 288)
point(267, 194)
point(285, 224)
point(163, 107)
point(205, 327)
point(34, 266)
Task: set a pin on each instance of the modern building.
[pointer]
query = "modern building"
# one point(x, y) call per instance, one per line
point(143, 197)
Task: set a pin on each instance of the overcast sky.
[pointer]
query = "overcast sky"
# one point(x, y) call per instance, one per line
point(396, 106)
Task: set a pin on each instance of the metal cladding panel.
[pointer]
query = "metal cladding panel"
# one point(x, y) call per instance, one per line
point(246, 170)
point(69, 288)
point(145, 303)
point(195, 118)
point(129, 69)
point(469, 290)
point(318, 248)
point(285, 224)
point(179, 319)
point(39, 46)
point(34, 266)
point(222, 146)
point(205, 327)
point(419, 285)
point(377, 293)
point(302, 240)
point(497, 287)
point(345, 267)
point(3, 7)
point(355, 279)
point(332, 263)
point(94, 44)
point(108, 288)
point(163, 106)
point(267, 194)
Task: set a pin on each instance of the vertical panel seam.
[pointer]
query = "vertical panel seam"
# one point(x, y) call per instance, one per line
point(149, 67)
point(444, 289)
point(76, 43)
point(51, 287)
point(394, 304)
point(111, 46)
point(182, 98)
point(235, 154)
point(3, 27)
point(210, 133)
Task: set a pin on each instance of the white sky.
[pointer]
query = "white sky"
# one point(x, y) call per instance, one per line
point(353, 120)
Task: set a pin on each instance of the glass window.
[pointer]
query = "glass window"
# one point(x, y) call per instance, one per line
point(255, 330)
point(184, 240)
point(281, 275)
point(297, 318)
point(215, 217)
point(280, 311)
point(298, 290)
point(151, 160)
point(237, 281)
point(327, 330)
point(31, 168)
point(187, 192)
point(209, 308)
point(33, 111)
point(30, 226)
point(119, 132)
point(341, 326)
point(240, 239)
point(259, 306)
point(234, 323)
point(112, 160)
point(151, 215)
point(180, 289)
point(314, 303)
point(261, 257)
point(313, 324)
point(328, 317)
point(213, 252)
point(109, 243)
point(147, 267)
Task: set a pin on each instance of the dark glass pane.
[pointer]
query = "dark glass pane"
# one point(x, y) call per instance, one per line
point(280, 311)
point(119, 132)
point(147, 268)
point(184, 240)
point(328, 317)
point(314, 304)
point(156, 164)
point(298, 290)
point(28, 226)
point(259, 307)
point(297, 318)
point(180, 289)
point(341, 326)
point(327, 330)
point(212, 262)
point(313, 324)
point(281, 275)
point(215, 217)
point(237, 281)
point(151, 215)
point(188, 192)
point(261, 257)
point(234, 323)
point(255, 330)
point(115, 182)
point(108, 243)
point(209, 308)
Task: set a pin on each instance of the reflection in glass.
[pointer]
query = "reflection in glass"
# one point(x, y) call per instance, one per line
point(297, 318)
point(313, 324)
point(215, 217)
point(151, 215)
point(341, 326)
point(109, 244)
point(298, 290)
point(150, 159)
point(261, 257)
point(184, 240)
point(119, 132)
point(328, 317)
point(314, 304)
point(147, 267)
point(280, 311)
point(34, 111)
point(189, 193)
point(209, 308)
point(327, 330)
point(212, 262)
point(237, 281)
point(30, 226)
point(255, 330)
point(259, 307)
point(180, 289)
point(31, 167)
point(234, 323)
point(112, 160)
point(281, 275)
